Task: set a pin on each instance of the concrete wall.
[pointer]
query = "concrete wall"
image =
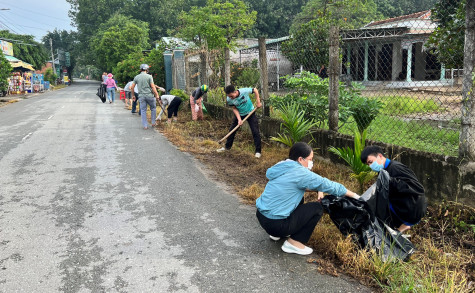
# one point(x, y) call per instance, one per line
point(443, 177)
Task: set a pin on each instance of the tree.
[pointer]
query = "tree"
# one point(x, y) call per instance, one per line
point(308, 44)
point(66, 41)
point(448, 38)
point(395, 8)
point(217, 26)
point(274, 17)
point(27, 49)
point(5, 71)
point(87, 16)
point(116, 39)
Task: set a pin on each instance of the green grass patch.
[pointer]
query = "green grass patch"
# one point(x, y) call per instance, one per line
point(404, 105)
point(411, 134)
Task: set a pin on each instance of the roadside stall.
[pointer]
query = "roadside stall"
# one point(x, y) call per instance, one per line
point(21, 78)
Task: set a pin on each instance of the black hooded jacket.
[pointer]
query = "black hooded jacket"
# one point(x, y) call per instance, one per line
point(406, 193)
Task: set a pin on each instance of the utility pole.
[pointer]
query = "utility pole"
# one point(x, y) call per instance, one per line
point(52, 56)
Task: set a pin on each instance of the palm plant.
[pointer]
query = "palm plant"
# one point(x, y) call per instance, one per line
point(361, 172)
point(295, 126)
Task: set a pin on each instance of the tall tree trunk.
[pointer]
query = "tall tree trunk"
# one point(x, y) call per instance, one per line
point(264, 75)
point(334, 70)
point(467, 134)
point(227, 67)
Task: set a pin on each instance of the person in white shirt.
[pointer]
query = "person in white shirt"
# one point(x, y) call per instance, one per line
point(173, 103)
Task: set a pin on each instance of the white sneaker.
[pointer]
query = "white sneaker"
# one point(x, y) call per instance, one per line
point(275, 238)
point(258, 155)
point(221, 150)
point(289, 248)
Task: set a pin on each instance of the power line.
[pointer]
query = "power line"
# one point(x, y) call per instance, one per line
point(11, 23)
point(34, 12)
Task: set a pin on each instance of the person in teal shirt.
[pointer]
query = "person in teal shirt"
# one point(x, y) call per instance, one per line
point(281, 210)
point(242, 105)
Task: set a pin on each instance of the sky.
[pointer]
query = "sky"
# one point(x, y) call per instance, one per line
point(35, 17)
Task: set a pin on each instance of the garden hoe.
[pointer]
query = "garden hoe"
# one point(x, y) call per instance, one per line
point(237, 126)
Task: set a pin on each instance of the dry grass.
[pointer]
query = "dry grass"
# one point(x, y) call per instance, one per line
point(439, 265)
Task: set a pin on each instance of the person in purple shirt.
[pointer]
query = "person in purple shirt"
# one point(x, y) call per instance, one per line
point(111, 87)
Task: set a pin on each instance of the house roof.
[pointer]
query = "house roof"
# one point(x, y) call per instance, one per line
point(417, 23)
point(418, 15)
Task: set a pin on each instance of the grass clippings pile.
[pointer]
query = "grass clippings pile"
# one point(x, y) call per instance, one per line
point(445, 239)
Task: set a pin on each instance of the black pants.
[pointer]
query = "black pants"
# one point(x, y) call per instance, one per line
point(299, 225)
point(173, 107)
point(134, 103)
point(254, 125)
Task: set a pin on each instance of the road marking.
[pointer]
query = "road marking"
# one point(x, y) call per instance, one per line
point(26, 136)
point(50, 117)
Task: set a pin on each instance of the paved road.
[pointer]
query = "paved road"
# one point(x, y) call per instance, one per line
point(91, 202)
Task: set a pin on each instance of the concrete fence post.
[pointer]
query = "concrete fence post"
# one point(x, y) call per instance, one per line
point(264, 75)
point(334, 70)
point(467, 134)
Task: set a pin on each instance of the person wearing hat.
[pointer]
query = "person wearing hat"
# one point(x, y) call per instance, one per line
point(111, 87)
point(148, 94)
point(195, 102)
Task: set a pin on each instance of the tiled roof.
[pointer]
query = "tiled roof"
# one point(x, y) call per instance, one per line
point(418, 15)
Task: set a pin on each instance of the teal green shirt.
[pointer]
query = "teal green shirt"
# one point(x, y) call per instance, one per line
point(243, 103)
point(144, 83)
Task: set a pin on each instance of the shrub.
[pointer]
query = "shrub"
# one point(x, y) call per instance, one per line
point(246, 74)
point(5, 70)
point(50, 76)
point(295, 126)
point(216, 96)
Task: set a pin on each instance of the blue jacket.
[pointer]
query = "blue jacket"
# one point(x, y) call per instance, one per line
point(288, 181)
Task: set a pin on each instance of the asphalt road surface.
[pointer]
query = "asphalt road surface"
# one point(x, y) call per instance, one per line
point(91, 202)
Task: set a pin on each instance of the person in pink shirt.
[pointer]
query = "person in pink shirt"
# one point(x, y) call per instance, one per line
point(111, 87)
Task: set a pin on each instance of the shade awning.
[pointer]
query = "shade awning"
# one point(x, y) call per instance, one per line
point(17, 63)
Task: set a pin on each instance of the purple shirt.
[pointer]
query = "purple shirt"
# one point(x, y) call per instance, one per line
point(110, 82)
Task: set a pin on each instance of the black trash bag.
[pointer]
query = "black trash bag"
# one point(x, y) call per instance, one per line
point(351, 216)
point(100, 93)
point(363, 218)
point(388, 243)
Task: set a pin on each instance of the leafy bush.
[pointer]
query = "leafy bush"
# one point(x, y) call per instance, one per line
point(246, 74)
point(50, 76)
point(5, 70)
point(361, 172)
point(127, 69)
point(180, 93)
point(216, 96)
point(295, 126)
point(311, 93)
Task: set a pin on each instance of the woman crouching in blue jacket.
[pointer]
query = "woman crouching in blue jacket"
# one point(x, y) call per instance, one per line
point(280, 208)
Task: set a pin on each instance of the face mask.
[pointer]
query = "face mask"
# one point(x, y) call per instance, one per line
point(376, 167)
point(310, 165)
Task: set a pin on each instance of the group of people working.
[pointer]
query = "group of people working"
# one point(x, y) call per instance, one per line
point(281, 210)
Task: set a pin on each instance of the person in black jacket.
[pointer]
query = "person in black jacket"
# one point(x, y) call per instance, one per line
point(407, 203)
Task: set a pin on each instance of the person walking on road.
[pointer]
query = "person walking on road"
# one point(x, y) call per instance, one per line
point(148, 94)
point(281, 210)
point(111, 88)
point(196, 99)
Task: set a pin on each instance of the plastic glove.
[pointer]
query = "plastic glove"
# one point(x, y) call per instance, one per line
point(197, 108)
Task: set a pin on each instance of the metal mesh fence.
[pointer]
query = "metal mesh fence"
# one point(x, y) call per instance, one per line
point(392, 82)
